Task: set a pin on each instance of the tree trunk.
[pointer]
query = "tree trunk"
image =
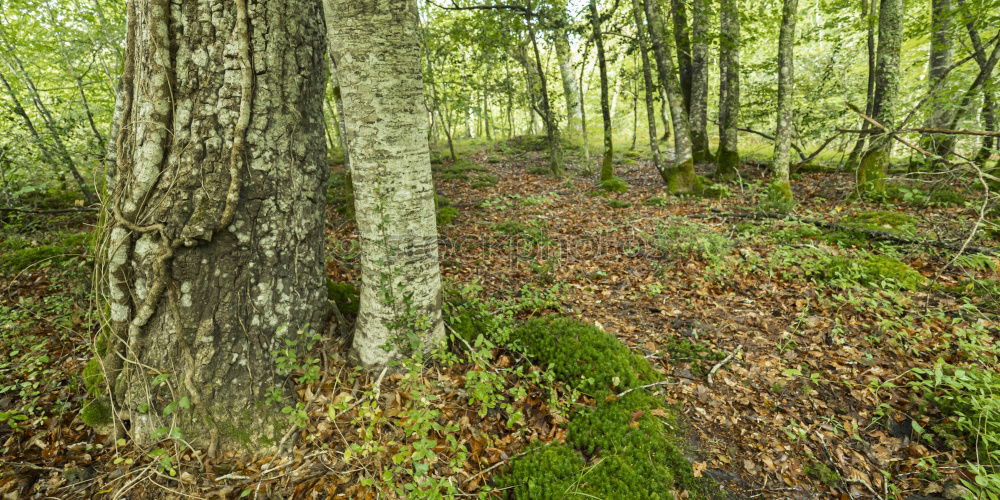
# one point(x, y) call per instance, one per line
point(215, 234)
point(680, 177)
point(729, 90)
point(607, 165)
point(682, 39)
point(937, 68)
point(394, 192)
point(873, 166)
point(786, 94)
point(989, 119)
point(699, 81)
point(570, 88)
point(868, 12)
point(649, 89)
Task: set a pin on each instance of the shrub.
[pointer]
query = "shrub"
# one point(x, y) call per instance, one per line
point(582, 355)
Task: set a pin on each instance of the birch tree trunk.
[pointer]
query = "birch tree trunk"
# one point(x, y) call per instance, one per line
point(699, 81)
point(872, 169)
point(780, 184)
point(214, 246)
point(729, 90)
point(680, 177)
point(607, 165)
point(376, 48)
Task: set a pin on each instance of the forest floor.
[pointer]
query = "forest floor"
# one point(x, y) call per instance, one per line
point(804, 361)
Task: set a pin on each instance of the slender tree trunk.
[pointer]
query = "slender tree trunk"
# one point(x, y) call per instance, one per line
point(214, 255)
point(680, 177)
point(394, 192)
point(780, 183)
point(15, 64)
point(701, 18)
point(682, 40)
point(647, 78)
point(439, 103)
point(939, 60)
point(570, 88)
point(548, 116)
point(607, 165)
point(729, 90)
point(872, 169)
point(869, 12)
point(989, 117)
point(583, 114)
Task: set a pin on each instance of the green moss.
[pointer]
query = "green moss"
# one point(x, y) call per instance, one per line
point(656, 201)
point(614, 185)
point(345, 295)
point(709, 189)
point(883, 220)
point(546, 472)
point(700, 355)
point(93, 377)
point(485, 181)
point(824, 474)
point(871, 172)
point(540, 171)
point(96, 413)
point(582, 355)
point(681, 179)
point(18, 260)
point(729, 163)
point(946, 197)
point(445, 215)
point(614, 203)
point(777, 197)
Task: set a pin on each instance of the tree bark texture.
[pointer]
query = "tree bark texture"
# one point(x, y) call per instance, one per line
point(377, 53)
point(786, 94)
point(728, 159)
point(872, 168)
point(214, 241)
point(607, 165)
point(699, 80)
point(647, 77)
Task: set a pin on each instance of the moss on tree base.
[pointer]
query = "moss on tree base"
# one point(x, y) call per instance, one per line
point(681, 179)
point(777, 197)
point(871, 172)
point(729, 162)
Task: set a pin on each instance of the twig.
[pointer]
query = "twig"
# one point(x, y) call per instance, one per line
point(647, 386)
point(722, 363)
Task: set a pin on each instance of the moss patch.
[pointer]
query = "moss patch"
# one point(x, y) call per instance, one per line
point(345, 295)
point(614, 185)
point(582, 355)
point(870, 271)
point(96, 413)
point(777, 197)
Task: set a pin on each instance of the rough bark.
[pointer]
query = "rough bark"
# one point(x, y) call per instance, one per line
point(872, 169)
point(377, 52)
point(699, 80)
point(682, 42)
point(786, 80)
point(607, 165)
point(214, 253)
point(728, 159)
point(680, 177)
point(939, 59)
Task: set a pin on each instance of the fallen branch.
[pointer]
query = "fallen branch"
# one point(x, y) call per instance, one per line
point(878, 235)
point(722, 363)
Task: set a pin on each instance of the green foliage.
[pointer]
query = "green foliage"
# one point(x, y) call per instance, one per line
point(345, 295)
point(93, 377)
point(615, 203)
point(582, 355)
point(445, 215)
point(969, 399)
point(19, 260)
point(777, 197)
point(340, 192)
point(871, 271)
point(460, 170)
point(656, 201)
point(614, 185)
point(485, 181)
point(824, 474)
point(684, 239)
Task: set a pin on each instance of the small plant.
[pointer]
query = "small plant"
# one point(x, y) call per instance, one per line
point(615, 203)
point(656, 201)
point(533, 233)
point(345, 295)
point(682, 239)
point(485, 181)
